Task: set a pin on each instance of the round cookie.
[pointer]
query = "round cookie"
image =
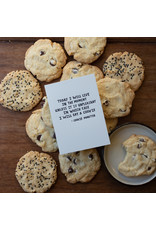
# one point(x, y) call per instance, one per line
point(36, 172)
point(41, 134)
point(116, 97)
point(76, 69)
point(20, 91)
point(111, 124)
point(126, 67)
point(140, 156)
point(45, 112)
point(80, 166)
point(85, 49)
point(45, 60)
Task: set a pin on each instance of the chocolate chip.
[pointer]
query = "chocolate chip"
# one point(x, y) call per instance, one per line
point(69, 158)
point(75, 70)
point(122, 110)
point(42, 53)
point(42, 118)
point(42, 102)
point(74, 161)
point(54, 136)
point(97, 53)
point(139, 146)
point(39, 137)
point(149, 168)
point(142, 140)
point(80, 46)
point(70, 170)
point(77, 152)
point(52, 62)
point(90, 156)
point(80, 65)
point(106, 103)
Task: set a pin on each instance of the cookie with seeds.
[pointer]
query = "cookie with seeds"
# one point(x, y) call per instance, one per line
point(74, 69)
point(41, 134)
point(20, 91)
point(111, 123)
point(45, 60)
point(85, 49)
point(116, 97)
point(140, 158)
point(36, 172)
point(80, 166)
point(45, 113)
point(126, 67)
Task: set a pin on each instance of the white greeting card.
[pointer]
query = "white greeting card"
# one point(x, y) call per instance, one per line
point(77, 114)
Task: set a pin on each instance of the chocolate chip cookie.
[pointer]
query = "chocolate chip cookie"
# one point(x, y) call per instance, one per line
point(75, 69)
point(41, 134)
point(85, 49)
point(140, 158)
point(45, 113)
point(45, 60)
point(116, 97)
point(111, 124)
point(80, 166)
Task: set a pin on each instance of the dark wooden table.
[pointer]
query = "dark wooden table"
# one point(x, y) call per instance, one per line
point(13, 139)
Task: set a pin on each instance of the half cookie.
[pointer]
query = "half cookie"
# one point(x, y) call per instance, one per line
point(140, 156)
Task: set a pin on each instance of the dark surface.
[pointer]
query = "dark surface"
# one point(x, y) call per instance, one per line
point(13, 139)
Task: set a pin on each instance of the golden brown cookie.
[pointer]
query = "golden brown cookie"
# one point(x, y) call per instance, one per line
point(45, 59)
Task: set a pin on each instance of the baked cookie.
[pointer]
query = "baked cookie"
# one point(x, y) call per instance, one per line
point(85, 49)
point(111, 124)
point(45, 113)
point(116, 97)
point(36, 172)
point(80, 166)
point(45, 60)
point(126, 67)
point(76, 69)
point(41, 134)
point(20, 91)
point(140, 156)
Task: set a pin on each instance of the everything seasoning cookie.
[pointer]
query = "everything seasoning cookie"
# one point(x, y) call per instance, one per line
point(116, 97)
point(85, 49)
point(140, 156)
point(36, 172)
point(20, 91)
point(126, 67)
point(111, 124)
point(45, 60)
point(41, 134)
point(80, 166)
point(45, 113)
point(76, 69)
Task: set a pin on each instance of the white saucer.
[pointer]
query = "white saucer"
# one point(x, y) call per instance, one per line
point(115, 153)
